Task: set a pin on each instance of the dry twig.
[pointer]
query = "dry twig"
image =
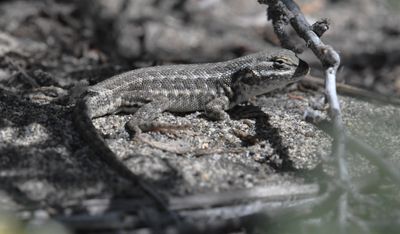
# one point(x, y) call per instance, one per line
point(353, 91)
point(284, 12)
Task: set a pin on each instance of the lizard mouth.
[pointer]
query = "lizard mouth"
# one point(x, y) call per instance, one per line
point(302, 69)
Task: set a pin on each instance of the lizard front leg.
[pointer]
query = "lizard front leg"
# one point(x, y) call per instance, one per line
point(215, 109)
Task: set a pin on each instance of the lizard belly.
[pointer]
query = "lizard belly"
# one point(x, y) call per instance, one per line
point(188, 101)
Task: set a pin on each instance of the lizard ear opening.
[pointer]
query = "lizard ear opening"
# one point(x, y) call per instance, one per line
point(246, 76)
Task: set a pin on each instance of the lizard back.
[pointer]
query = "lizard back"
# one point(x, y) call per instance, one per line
point(188, 87)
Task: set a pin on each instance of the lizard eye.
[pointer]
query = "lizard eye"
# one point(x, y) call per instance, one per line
point(279, 63)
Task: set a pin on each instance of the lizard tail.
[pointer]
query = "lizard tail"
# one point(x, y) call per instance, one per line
point(88, 132)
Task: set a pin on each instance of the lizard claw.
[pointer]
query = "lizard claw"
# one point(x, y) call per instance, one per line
point(134, 129)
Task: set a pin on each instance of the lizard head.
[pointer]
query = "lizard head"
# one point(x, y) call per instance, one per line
point(269, 71)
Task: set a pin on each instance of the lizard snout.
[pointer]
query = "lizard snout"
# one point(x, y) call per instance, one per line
point(302, 69)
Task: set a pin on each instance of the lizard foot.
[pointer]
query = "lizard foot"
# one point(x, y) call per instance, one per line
point(181, 147)
point(177, 147)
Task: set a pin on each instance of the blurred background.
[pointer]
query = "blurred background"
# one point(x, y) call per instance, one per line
point(65, 37)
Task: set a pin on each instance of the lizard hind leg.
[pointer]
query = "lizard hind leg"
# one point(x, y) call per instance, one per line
point(142, 119)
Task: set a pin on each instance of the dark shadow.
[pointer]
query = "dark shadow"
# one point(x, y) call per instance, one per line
point(60, 162)
point(170, 178)
point(265, 131)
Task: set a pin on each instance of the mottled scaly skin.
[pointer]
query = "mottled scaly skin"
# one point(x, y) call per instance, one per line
point(212, 87)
